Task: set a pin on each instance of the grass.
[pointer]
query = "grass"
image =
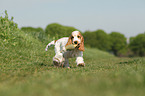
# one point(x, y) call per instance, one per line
point(27, 70)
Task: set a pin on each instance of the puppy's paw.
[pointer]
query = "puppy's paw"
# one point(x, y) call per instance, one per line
point(68, 67)
point(56, 63)
point(81, 65)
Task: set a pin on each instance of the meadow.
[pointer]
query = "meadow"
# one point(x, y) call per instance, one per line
point(27, 70)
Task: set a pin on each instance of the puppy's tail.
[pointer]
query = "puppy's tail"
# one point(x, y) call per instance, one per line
point(52, 43)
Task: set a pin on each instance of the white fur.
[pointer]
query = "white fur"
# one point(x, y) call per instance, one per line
point(75, 34)
point(62, 55)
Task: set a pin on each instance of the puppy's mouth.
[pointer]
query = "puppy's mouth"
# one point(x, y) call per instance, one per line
point(78, 45)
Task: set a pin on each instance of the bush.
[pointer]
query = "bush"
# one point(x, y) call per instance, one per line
point(98, 39)
point(31, 29)
point(103, 40)
point(37, 33)
point(7, 29)
point(58, 31)
point(90, 39)
point(118, 43)
point(137, 45)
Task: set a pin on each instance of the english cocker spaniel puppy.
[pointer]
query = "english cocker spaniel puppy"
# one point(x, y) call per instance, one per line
point(62, 54)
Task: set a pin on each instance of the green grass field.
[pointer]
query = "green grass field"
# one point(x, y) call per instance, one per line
point(27, 70)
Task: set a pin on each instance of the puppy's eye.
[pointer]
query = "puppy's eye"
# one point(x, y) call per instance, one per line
point(72, 37)
point(79, 37)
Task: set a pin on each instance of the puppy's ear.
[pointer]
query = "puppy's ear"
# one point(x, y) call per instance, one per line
point(81, 48)
point(69, 41)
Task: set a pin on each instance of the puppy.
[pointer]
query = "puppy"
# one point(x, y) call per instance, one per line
point(62, 55)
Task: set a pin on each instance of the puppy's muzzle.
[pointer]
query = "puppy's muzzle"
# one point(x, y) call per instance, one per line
point(75, 42)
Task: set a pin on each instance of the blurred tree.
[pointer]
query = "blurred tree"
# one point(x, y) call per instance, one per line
point(98, 39)
point(137, 45)
point(90, 39)
point(32, 29)
point(118, 42)
point(58, 30)
point(102, 40)
point(54, 29)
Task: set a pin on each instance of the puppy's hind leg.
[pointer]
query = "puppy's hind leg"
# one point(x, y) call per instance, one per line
point(56, 62)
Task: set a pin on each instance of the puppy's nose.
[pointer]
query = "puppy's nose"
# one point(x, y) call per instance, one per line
point(75, 42)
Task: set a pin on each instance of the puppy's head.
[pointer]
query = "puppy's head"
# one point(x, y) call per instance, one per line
point(77, 39)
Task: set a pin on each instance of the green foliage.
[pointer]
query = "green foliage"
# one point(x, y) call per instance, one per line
point(118, 42)
point(31, 29)
point(98, 39)
point(103, 40)
point(137, 45)
point(7, 29)
point(37, 33)
point(58, 31)
point(90, 39)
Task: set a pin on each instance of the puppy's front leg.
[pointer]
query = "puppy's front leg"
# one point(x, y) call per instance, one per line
point(80, 61)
